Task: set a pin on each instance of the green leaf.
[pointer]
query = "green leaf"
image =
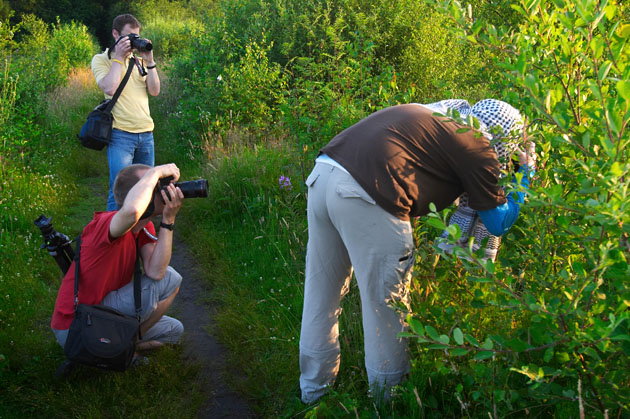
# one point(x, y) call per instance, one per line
point(433, 334)
point(604, 69)
point(480, 280)
point(436, 222)
point(488, 344)
point(616, 169)
point(459, 352)
point(415, 325)
point(458, 336)
point(532, 4)
point(499, 395)
point(437, 346)
point(623, 87)
point(624, 31)
point(483, 355)
point(621, 337)
point(517, 345)
point(592, 353)
point(562, 357)
point(444, 339)
point(470, 339)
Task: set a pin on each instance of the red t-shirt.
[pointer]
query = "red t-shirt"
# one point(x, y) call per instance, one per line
point(106, 265)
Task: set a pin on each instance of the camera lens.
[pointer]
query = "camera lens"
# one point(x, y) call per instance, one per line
point(141, 44)
point(194, 188)
point(44, 224)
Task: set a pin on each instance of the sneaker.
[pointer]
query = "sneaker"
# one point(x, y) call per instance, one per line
point(139, 360)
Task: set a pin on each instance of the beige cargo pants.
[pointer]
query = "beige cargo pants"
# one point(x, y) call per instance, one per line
point(348, 230)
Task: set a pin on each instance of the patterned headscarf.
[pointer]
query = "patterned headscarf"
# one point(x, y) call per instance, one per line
point(496, 113)
point(498, 120)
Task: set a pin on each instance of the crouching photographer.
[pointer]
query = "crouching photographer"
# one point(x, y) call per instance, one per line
point(115, 244)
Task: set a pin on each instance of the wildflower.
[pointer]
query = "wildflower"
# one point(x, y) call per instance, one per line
point(285, 183)
point(219, 78)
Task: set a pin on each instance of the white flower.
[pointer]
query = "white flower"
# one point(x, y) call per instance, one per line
point(219, 78)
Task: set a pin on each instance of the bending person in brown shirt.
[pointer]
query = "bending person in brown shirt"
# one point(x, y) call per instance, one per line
point(366, 185)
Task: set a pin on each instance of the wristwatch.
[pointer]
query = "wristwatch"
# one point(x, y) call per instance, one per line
point(167, 226)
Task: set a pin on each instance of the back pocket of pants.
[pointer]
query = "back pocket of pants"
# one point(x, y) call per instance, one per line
point(349, 190)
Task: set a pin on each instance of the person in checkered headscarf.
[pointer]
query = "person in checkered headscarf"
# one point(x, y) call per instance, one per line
point(367, 184)
point(502, 124)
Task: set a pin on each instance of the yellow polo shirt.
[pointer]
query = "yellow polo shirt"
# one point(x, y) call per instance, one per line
point(131, 111)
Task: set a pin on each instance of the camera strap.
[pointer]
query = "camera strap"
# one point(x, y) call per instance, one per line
point(121, 86)
point(137, 282)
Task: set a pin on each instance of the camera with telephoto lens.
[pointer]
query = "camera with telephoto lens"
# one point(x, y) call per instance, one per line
point(57, 244)
point(140, 44)
point(190, 189)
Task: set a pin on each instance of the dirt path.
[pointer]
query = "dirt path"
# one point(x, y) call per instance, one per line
point(199, 345)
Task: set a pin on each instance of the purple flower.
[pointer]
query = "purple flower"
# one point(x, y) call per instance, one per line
point(285, 183)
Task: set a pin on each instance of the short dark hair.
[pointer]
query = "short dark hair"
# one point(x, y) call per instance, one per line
point(121, 20)
point(125, 180)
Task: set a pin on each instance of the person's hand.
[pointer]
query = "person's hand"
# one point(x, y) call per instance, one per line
point(166, 170)
point(147, 56)
point(173, 198)
point(528, 156)
point(123, 49)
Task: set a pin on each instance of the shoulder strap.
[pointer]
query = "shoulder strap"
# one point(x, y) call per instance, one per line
point(137, 281)
point(77, 258)
point(121, 86)
point(137, 288)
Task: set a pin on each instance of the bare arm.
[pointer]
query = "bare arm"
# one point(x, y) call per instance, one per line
point(156, 257)
point(111, 81)
point(153, 79)
point(139, 198)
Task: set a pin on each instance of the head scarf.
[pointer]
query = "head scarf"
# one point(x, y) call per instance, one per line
point(498, 120)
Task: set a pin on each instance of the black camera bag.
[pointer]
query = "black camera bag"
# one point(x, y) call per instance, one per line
point(96, 132)
point(101, 336)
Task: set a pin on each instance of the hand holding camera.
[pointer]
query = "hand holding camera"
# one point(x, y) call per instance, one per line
point(127, 43)
point(173, 198)
point(122, 48)
point(173, 193)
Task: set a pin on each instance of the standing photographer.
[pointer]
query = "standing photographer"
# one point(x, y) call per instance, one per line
point(132, 135)
point(110, 245)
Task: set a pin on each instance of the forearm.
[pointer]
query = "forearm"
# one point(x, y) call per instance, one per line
point(111, 81)
point(139, 197)
point(153, 79)
point(161, 257)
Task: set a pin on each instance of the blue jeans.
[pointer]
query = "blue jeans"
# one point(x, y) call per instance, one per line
point(125, 149)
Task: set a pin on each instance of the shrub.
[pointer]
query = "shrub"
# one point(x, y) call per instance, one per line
point(547, 324)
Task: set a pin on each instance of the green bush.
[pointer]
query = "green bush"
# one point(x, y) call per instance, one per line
point(35, 65)
point(547, 324)
point(169, 25)
point(326, 64)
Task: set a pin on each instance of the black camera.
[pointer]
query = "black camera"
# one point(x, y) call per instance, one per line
point(140, 44)
point(56, 243)
point(190, 189)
